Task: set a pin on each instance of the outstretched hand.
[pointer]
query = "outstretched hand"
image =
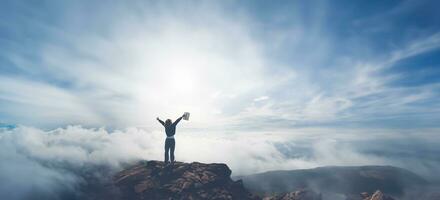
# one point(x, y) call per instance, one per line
point(157, 118)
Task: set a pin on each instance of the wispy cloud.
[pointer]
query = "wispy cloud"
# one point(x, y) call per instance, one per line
point(149, 59)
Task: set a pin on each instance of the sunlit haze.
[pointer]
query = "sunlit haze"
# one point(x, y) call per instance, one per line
point(269, 85)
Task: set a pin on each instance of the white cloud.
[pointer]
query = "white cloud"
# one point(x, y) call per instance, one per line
point(149, 64)
point(46, 102)
point(154, 60)
point(415, 47)
point(261, 98)
point(49, 163)
point(245, 153)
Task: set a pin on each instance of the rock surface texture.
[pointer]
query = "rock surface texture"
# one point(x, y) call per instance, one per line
point(378, 195)
point(298, 195)
point(155, 180)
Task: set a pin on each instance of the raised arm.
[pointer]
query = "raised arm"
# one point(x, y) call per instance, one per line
point(160, 121)
point(177, 120)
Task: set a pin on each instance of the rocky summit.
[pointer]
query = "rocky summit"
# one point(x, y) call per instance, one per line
point(180, 181)
point(156, 180)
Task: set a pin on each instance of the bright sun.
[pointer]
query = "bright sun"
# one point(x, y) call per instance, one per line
point(183, 80)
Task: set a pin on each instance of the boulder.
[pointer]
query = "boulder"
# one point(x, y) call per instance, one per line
point(156, 180)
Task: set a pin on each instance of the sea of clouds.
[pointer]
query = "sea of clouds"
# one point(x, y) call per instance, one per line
point(56, 164)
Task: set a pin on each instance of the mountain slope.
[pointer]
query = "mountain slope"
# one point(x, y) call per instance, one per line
point(344, 180)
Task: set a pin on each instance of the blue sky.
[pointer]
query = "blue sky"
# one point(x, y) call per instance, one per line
point(233, 64)
point(270, 85)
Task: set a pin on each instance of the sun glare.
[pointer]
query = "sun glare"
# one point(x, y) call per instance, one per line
point(183, 80)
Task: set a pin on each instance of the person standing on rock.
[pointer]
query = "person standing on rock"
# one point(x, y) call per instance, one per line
point(170, 143)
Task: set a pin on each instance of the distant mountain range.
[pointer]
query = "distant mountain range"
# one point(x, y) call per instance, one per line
point(342, 180)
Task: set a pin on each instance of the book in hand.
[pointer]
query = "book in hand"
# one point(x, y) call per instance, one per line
point(186, 116)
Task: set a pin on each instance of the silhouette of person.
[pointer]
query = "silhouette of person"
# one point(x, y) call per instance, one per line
point(170, 143)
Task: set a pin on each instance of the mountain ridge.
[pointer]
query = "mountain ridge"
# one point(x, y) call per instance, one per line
point(336, 179)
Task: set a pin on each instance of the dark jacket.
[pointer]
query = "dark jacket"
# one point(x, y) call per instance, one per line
point(170, 130)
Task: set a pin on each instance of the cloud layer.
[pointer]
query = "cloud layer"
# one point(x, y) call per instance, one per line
point(54, 163)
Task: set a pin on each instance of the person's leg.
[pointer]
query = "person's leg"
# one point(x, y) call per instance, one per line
point(167, 148)
point(172, 147)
